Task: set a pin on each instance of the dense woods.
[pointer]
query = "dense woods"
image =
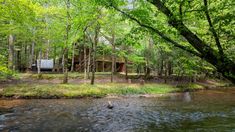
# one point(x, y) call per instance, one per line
point(170, 39)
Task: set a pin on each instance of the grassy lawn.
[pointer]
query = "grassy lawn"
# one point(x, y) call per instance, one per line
point(71, 75)
point(84, 90)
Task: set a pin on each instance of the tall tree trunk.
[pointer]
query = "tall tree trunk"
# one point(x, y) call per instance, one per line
point(65, 80)
point(48, 49)
point(26, 58)
point(11, 52)
point(73, 54)
point(147, 69)
point(113, 57)
point(89, 63)
point(169, 67)
point(63, 66)
point(39, 61)
point(54, 60)
point(165, 72)
point(126, 68)
point(47, 43)
point(31, 56)
point(85, 63)
point(18, 60)
point(96, 39)
point(103, 62)
point(161, 68)
point(80, 60)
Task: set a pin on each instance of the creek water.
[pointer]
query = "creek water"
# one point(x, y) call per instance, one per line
point(209, 110)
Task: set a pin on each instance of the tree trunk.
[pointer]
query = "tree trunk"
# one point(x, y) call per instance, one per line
point(113, 57)
point(80, 61)
point(165, 70)
point(31, 56)
point(147, 70)
point(89, 63)
point(85, 63)
point(96, 39)
point(63, 66)
point(65, 80)
point(161, 68)
point(39, 61)
point(54, 60)
point(11, 53)
point(103, 63)
point(126, 68)
point(222, 63)
point(73, 54)
point(48, 49)
point(113, 65)
point(18, 65)
point(169, 67)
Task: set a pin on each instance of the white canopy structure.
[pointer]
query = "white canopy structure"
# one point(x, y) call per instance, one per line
point(46, 64)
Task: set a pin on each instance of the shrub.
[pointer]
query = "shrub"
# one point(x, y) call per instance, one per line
point(5, 73)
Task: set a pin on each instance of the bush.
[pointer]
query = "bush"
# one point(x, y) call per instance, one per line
point(5, 73)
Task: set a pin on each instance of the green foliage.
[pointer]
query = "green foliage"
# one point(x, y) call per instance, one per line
point(5, 73)
point(43, 22)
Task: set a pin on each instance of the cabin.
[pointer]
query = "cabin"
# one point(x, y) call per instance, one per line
point(103, 64)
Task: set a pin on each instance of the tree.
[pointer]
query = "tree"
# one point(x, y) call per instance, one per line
point(198, 46)
point(94, 45)
point(66, 42)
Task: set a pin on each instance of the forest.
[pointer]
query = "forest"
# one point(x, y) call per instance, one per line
point(117, 65)
point(172, 40)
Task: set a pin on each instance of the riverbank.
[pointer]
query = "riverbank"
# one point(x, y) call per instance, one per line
point(83, 90)
point(48, 86)
point(56, 91)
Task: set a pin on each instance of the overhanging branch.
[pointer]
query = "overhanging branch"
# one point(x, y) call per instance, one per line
point(212, 29)
point(158, 32)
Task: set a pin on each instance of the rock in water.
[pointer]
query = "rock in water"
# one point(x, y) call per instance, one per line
point(110, 105)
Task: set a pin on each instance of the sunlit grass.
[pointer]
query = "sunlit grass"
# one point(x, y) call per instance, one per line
point(71, 75)
point(40, 90)
point(84, 90)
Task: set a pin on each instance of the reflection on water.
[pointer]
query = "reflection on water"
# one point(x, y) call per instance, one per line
point(186, 97)
point(198, 111)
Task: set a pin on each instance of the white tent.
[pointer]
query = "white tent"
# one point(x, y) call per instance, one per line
point(46, 64)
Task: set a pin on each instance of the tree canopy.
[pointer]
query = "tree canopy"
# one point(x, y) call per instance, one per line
point(181, 37)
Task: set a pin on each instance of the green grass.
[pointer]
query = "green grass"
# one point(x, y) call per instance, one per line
point(87, 90)
point(190, 87)
point(71, 75)
point(83, 90)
